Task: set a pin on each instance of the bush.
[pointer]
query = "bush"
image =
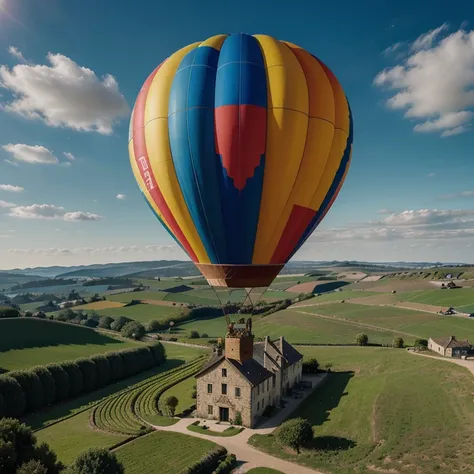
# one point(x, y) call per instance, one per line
point(204, 335)
point(76, 379)
point(89, 373)
point(130, 362)
point(208, 463)
point(119, 323)
point(295, 433)
point(398, 342)
point(226, 465)
point(105, 322)
point(193, 335)
point(13, 396)
point(3, 407)
point(362, 339)
point(89, 323)
point(47, 380)
point(171, 403)
point(61, 381)
point(32, 467)
point(311, 366)
point(158, 351)
point(9, 313)
point(19, 446)
point(133, 330)
point(153, 326)
point(421, 344)
point(32, 388)
point(96, 461)
point(116, 365)
point(238, 419)
point(104, 373)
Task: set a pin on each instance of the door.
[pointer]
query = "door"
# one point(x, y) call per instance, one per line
point(223, 414)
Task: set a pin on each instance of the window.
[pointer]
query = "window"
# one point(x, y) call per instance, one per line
point(268, 385)
point(209, 388)
point(224, 372)
point(258, 406)
point(237, 391)
point(258, 389)
point(224, 389)
point(273, 380)
point(210, 409)
point(263, 387)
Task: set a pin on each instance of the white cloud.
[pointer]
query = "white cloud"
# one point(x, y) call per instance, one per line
point(120, 196)
point(11, 188)
point(49, 211)
point(463, 194)
point(426, 216)
point(11, 163)
point(69, 156)
point(384, 211)
point(17, 54)
point(426, 40)
point(99, 250)
point(435, 84)
point(64, 94)
point(431, 175)
point(393, 48)
point(35, 154)
point(6, 205)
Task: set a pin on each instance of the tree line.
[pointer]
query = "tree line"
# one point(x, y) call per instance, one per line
point(27, 391)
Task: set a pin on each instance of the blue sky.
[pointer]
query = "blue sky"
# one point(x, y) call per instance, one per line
point(407, 69)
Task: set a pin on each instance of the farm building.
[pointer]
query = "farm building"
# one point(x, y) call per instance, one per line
point(247, 378)
point(449, 346)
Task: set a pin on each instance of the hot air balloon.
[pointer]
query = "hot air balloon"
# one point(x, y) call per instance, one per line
point(240, 145)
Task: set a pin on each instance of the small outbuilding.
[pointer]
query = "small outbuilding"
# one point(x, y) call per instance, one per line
point(449, 346)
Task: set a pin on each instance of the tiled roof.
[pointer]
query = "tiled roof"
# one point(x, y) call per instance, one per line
point(252, 371)
point(450, 342)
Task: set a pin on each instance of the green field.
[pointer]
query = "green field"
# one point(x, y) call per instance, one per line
point(384, 410)
point(137, 295)
point(263, 470)
point(166, 453)
point(455, 298)
point(26, 342)
point(141, 312)
point(340, 295)
point(230, 431)
point(182, 391)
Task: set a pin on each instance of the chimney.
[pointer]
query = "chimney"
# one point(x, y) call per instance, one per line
point(239, 348)
point(281, 344)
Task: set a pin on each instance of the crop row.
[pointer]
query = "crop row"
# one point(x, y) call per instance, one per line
point(122, 413)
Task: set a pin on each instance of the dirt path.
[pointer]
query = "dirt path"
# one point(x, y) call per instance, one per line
point(238, 444)
point(363, 325)
point(185, 344)
point(468, 364)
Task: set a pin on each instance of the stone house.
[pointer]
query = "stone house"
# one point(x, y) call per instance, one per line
point(246, 378)
point(449, 346)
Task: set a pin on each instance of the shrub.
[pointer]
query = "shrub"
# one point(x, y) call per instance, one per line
point(311, 366)
point(153, 326)
point(32, 388)
point(238, 419)
point(133, 330)
point(47, 380)
point(130, 362)
point(32, 467)
point(61, 381)
point(295, 433)
point(28, 314)
point(96, 461)
point(226, 465)
point(116, 365)
point(13, 396)
point(204, 335)
point(158, 351)
point(104, 373)
point(9, 313)
point(421, 344)
point(76, 379)
point(90, 323)
point(398, 342)
point(89, 373)
point(19, 446)
point(171, 403)
point(3, 407)
point(362, 339)
point(193, 335)
point(119, 323)
point(105, 322)
point(208, 463)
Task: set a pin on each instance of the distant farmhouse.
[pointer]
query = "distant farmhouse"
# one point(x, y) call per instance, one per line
point(247, 378)
point(449, 346)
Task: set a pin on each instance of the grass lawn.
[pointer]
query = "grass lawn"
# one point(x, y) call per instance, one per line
point(457, 297)
point(215, 327)
point(141, 312)
point(26, 342)
point(263, 470)
point(137, 295)
point(339, 295)
point(298, 327)
point(190, 297)
point(182, 391)
point(166, 453)
point(99, 305)
point(231, 431)
point(70, 438)
point(384, 410)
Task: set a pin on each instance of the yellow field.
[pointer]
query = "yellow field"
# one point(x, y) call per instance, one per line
point(101, 305)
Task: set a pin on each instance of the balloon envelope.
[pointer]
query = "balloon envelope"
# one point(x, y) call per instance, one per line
point(240, 145)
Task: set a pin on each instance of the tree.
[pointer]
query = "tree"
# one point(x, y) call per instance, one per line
point(362, 339)
point(153, 326)
point(9, 313)
point(295, 433)
point(421, 344)
point(204, 335)
point(171, 403)
point(133, 330)
point(18, 445)
point(119, 323)
point(13, 396)
point(311, 366)
point(89, 323)
point(96, 461)
point(193, 335)
point(89, 373)
point(32, 388)
point(76, 379)
point(73, 295)
point(104, 373)
point(47, 380)
point(105, 322)
point(158, 351)
point(116, 365)
point(61, 381)
point(398, 342)
point(32, 467)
